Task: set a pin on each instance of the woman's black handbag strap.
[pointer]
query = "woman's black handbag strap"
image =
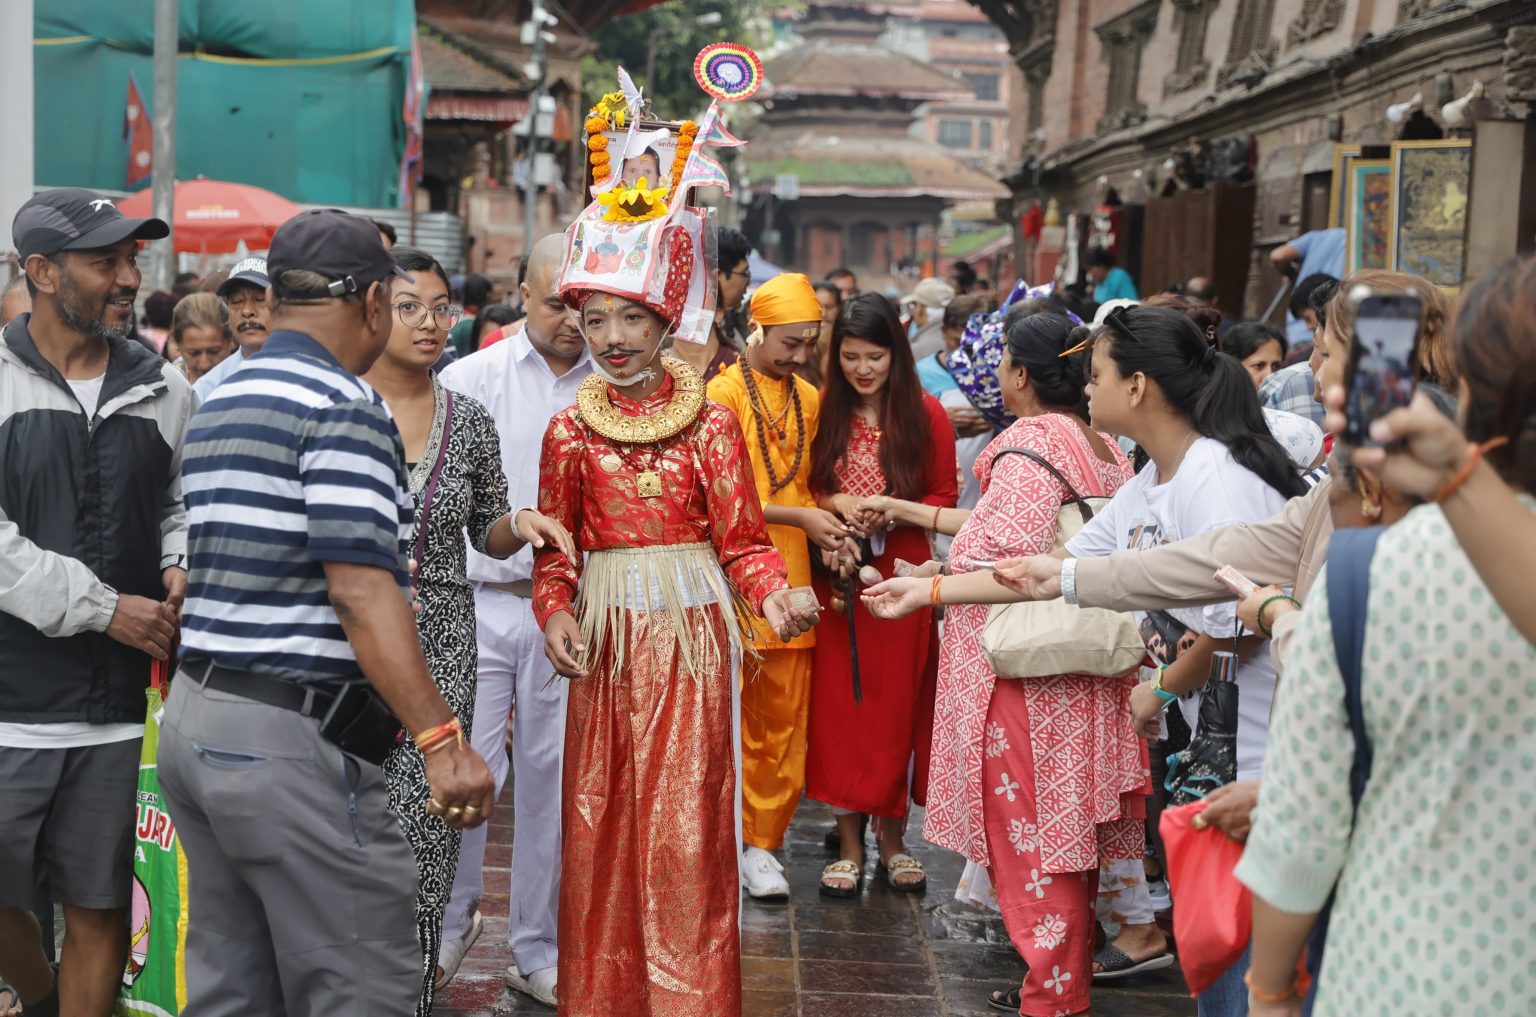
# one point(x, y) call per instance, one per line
point(1072, 495)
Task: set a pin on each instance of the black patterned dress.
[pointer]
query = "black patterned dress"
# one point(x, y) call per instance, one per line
point(471, 494)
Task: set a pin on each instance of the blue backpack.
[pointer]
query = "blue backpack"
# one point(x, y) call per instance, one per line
point(1349, 587)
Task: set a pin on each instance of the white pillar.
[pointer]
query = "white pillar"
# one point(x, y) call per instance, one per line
point(16, 113)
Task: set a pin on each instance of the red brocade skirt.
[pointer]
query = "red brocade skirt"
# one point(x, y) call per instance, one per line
point(649, 887)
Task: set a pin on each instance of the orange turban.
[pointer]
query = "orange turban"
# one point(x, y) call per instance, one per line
point(785, 299)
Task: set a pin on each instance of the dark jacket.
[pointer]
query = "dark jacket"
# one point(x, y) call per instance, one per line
point(89, 508)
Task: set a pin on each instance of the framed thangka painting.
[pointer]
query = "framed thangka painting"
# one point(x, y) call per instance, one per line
point(1369, 215)
point(1428, 233)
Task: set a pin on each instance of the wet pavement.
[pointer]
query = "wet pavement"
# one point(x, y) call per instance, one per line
point(884, 954)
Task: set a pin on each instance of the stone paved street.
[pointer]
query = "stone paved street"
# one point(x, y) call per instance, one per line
point(883, 955)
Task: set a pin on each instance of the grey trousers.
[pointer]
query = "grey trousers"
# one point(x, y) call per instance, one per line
point(302, 885)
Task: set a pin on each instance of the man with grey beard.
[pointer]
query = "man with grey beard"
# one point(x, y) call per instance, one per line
point(92, 577)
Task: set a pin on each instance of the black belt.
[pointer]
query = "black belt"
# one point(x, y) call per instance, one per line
point(308, 700)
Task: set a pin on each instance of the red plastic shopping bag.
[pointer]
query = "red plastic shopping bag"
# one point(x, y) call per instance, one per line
point(1212, 911)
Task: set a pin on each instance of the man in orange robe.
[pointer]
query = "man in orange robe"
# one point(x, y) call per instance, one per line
point(778, 413)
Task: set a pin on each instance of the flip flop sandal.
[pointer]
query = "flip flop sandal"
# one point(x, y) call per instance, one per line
point(897, 864)
point(841, 869)
point(1117, 964)
point(1005, 1000)
point(833, 841)
point(451, 954)
point(48, 1006)
point(10, 999)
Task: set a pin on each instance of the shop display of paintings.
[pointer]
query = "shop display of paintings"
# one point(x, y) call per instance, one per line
point(1368, 205)
point(1428, 209)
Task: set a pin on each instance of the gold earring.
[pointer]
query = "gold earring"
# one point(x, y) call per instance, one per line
point(1368, 508)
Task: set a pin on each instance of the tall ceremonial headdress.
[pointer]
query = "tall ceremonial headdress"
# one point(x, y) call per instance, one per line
point(639, 238)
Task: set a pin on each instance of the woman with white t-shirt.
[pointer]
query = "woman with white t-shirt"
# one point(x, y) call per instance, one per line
point(1155, 379)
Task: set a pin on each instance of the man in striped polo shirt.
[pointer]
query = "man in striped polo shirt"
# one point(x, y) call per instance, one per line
point(298, 642)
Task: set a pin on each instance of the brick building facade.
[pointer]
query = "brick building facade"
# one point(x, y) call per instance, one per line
point(1114, 88)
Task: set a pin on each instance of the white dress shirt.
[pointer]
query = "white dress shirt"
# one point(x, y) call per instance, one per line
point(513, 381)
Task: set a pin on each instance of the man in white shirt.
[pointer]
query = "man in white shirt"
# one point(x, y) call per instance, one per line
point(248, 293)
point(524, 380)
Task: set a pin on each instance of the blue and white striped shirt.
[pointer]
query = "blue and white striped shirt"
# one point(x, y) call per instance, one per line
point(293, 462)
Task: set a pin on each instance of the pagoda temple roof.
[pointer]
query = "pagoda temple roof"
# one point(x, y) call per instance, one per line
point(825, 67)
point(868, 167)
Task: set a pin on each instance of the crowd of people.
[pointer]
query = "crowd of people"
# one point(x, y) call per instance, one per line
point(397, 539)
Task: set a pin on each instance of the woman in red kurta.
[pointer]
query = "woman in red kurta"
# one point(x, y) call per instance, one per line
point(654, 481)
point(879, 435)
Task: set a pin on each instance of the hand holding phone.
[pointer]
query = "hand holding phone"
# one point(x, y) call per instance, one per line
point(1383, 359)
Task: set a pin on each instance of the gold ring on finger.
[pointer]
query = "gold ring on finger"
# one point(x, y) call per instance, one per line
point(470, 810)
point(1199, 822)
point(433, 801)
point(453, 812)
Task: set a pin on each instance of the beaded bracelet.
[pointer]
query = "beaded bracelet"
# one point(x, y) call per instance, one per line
point(1264, 630)
point(1475, 455)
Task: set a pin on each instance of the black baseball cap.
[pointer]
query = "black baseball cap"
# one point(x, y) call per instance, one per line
point(251, 270)
point(343, 248)
point(75, 219)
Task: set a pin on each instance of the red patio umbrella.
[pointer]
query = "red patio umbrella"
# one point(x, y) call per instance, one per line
point(213, 216)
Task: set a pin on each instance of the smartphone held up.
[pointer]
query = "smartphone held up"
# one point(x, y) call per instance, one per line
point(1383, 355)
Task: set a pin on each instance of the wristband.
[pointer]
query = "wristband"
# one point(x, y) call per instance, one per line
point(1264, 630)
point(1069, 581)
point(1475, 455)
point(1160, 692)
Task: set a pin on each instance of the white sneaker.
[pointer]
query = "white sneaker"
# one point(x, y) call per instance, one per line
point(763, 876)
point(540, 984)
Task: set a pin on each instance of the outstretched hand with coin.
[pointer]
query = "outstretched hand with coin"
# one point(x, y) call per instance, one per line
point(461, 784)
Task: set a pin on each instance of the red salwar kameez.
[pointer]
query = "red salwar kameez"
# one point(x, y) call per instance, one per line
point(872, 756)
point(1036, 778)
point(649, 882)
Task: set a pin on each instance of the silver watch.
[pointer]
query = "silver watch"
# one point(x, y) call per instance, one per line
point(1069, 581)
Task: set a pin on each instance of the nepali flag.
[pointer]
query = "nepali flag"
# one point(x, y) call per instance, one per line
point(139, 132)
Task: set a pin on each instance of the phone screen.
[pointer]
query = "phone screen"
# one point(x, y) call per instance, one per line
point(1381, 360)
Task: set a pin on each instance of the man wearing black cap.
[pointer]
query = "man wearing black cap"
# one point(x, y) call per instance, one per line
point(248, 293)
point(299, 650)
point(92, 553)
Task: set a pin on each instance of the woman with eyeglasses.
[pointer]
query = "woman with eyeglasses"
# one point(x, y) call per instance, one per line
point(453, 461)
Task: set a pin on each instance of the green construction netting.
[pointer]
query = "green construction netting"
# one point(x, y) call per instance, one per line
point(299, 97)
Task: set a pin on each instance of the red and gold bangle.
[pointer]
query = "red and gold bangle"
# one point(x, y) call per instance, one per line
point(1475, 453)
point(1291, 992)
point(934, 599)
point(434, 737)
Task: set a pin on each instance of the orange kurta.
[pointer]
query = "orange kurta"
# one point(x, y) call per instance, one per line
point(776, 686)
point(649, 887)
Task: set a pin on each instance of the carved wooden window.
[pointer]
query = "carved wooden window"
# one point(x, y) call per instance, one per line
point(1036, 65)
point(1123, 38)
point(1191, 68)
point(1317, 17)
point(1250, 46)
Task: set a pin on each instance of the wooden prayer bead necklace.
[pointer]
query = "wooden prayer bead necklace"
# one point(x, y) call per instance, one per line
point(760, 414)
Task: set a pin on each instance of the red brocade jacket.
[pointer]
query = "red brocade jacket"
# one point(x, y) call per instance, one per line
point(588, 483)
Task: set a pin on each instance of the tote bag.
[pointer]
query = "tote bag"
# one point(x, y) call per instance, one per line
point(1051, 637)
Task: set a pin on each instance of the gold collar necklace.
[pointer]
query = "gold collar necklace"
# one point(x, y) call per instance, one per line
point(602, 416)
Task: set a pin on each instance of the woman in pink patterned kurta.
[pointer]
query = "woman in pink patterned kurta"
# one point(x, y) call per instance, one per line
point(1036, 778)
